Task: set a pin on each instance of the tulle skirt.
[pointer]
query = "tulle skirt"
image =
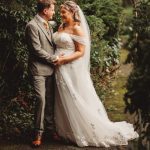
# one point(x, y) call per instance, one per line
point(79, 113)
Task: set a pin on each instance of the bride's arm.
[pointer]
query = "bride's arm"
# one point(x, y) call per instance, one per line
point(79, 49)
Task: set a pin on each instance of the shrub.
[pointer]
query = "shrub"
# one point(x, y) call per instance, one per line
point(137, 97)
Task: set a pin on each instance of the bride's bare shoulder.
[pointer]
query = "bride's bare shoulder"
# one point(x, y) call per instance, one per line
point(77, 30)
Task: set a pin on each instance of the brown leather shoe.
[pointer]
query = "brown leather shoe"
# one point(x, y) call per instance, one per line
point(37, 141)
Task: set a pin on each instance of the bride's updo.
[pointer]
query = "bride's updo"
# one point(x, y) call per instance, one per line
point(73, 7)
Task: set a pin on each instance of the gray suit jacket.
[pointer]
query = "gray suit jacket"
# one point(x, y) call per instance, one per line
point(40, 47)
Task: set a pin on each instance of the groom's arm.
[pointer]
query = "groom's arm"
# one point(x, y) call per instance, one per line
point(33, 41)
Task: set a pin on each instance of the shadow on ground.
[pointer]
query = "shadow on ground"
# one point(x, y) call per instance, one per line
point(23, 143)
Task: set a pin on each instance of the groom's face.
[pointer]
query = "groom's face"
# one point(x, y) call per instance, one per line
point(49, 12)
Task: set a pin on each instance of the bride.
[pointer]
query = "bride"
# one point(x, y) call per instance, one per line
point(79, 114)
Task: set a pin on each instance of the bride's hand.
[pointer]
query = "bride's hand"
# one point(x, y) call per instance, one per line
point(60, 61)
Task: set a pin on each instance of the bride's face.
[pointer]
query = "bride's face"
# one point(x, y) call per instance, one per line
point(66, 15)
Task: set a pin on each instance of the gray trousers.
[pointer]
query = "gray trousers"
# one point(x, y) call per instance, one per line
point(44, 109)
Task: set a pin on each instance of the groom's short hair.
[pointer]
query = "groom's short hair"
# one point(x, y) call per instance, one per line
point(42, 4)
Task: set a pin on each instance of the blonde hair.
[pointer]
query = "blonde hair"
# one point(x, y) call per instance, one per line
point(73, 7)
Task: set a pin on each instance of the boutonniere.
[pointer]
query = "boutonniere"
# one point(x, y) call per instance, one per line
point(52, 24)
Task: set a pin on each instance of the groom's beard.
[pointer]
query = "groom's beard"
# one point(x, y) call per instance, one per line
point(52, 18)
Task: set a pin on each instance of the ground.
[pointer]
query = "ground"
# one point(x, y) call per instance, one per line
point(115, 107)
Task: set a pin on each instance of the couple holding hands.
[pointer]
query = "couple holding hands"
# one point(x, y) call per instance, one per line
point(67, 105)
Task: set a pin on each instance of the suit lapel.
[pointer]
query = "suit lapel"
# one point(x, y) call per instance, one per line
point(40, 24)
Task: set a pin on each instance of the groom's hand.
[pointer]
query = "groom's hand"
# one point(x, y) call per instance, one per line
point(54, 58)
point(60, 61)
point(57, 61)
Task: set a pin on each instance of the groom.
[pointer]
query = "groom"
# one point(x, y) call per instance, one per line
point(41, 56)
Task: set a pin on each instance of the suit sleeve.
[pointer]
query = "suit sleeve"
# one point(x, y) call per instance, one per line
point(33, 42)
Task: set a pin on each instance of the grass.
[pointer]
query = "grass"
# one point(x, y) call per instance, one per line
point(114, 102)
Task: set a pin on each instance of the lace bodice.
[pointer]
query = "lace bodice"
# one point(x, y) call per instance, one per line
point(65, 41)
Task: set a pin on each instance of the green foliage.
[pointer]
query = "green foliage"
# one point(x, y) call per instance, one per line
point(16, 115)
point(103, 18)
point(137, 97)
point(126, 30)
point(13, 66)
point(126, 21)
point(13, 53)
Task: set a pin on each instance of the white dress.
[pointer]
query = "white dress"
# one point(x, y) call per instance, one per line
point(79, 114)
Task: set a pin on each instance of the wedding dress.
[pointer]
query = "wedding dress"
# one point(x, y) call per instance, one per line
point(79, 114)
